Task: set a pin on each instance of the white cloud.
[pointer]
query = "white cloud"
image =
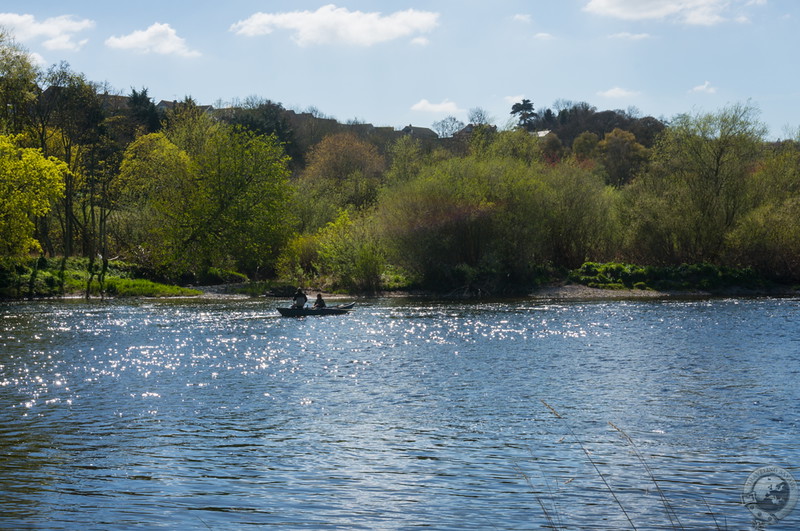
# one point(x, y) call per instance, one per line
point(59, 32)
point(331, 24)
point(698, 12)
point(420, 41)
point(630, 36)
point(520, 17)
point(511, 100)
point(158, 38)
point(37, 59)
point(447, 106)
point(544, 36)
point(705, 88)
point(618, 92)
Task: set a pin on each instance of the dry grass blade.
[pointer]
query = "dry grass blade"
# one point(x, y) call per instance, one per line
point(671, 514)
point(589, 457)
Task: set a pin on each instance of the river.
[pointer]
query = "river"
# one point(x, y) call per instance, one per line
point(219, 414)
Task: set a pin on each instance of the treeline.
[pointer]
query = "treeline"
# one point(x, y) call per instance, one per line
point(265, 192)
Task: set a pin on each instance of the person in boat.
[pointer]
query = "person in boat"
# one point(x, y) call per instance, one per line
point(299, 299)
point(319, 303)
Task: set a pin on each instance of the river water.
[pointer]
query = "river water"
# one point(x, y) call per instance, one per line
point(218, 414)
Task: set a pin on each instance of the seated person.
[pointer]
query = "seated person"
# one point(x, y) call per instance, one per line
point(319, 303)
point(300, 299)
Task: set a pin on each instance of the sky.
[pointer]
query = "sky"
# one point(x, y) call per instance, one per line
point(400, 62)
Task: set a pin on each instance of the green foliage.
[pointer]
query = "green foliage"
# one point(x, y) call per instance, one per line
point(350, 256)
point(17, 84)
point(622, 157)
point(703, 276)
point(28, 184)
point(297, 262)
point(584, 145)
point(195, 202)
point(518, 145)
point(768, 239)
point(40, 277)
point(126, 287)
point(344, 172)
point(696, 190)
point(491, 221)
point(214, 276)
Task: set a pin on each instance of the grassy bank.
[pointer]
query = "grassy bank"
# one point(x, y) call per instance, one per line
point(685, 277)
point(44, 277)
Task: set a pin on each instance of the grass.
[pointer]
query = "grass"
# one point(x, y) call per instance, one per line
point(685, 277)
point(56, 277)
point(551, 514)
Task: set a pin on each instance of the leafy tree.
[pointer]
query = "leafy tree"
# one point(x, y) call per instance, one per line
point(438, 223)
point(584, 146)
point(29, 183)
point(143, 111)
point(621, 156)
point(581, 224)
point(17, 85)
point(221, 203)
point(343, 172)
point(517, 144)
point(66, 121)
point(524, 112)
point(406, 158)
point(695, 191)
point(350, 254)
point(552, 148)
point(266, 117)
point(768, 239)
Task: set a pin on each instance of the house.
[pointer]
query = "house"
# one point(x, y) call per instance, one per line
point(423, 133)
point(164, 106)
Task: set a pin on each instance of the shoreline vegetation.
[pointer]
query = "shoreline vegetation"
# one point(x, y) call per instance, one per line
point(249, 192)
point(71, 278)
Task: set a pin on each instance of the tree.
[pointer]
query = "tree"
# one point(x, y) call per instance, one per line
point(584, 146)
point(17, 85)
point(621, 156)
point(343, 172)
point(448, 126)
point(224, 202)
point(479, 116)
point(406, 159)
point(29, 183)
point(552, 148)
point(696, 189)
point(265, 117)
point(66, 121)
point(524, 113)
point(143, 111)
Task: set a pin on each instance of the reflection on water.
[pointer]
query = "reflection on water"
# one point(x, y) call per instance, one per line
point(220, 414)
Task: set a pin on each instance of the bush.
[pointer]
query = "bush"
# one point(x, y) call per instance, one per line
point(215, 276)
point(704, 276)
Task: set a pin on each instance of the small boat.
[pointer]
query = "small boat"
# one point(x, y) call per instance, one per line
point(328, 310)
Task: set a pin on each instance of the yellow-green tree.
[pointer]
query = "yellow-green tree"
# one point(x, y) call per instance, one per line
point(196, 202)
point(695, 191)
point(29, 183)
point(343, 172)
point(621, 155)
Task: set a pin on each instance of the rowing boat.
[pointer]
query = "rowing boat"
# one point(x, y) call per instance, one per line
point(328, 310)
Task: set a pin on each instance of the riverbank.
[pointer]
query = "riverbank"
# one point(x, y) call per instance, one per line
point(581, 292)
point(557, 291)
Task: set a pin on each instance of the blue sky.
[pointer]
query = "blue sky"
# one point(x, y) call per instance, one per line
point(394, 63)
